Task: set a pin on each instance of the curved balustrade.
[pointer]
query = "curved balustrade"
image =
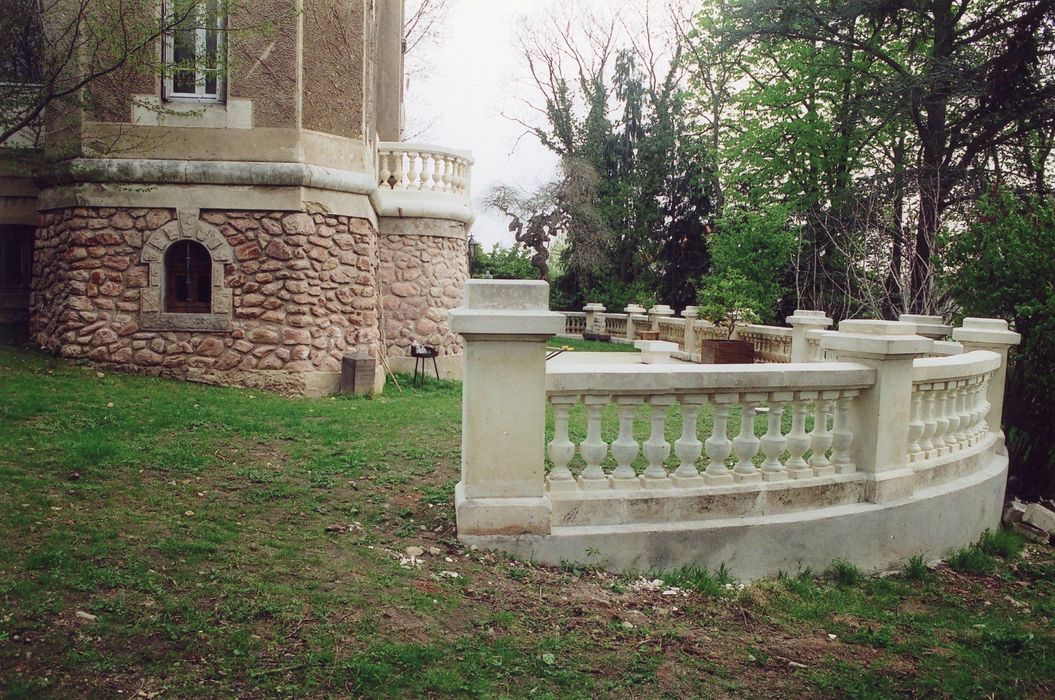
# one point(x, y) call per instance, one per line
point(771, 343)
point(672, 330)
point(421, 168)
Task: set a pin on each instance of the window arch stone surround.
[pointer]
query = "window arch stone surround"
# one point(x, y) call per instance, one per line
point(187, 226)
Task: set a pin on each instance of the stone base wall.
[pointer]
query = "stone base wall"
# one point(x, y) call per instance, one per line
point(302, 290)
point(422, 274)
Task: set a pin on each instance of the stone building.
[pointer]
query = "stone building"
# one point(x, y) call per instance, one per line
point(249, 225)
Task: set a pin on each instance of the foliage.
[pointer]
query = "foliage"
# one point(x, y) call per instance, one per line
point(503, 263)
point(728, 300)
point(1001, 266)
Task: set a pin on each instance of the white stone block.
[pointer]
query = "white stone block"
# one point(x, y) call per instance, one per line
point(655, 352)
point(1039, 516)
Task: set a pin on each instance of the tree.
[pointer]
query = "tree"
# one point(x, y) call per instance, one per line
point(503, 263)
point(965, 76)
point(1002, 267)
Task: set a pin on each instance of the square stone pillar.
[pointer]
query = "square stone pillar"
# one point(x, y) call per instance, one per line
point(990, 334)
point(801, 322)
point(691, 314)
point(631, 310)
point(927, 326)
point(595, 322)
point(879, 416)
point(505, 325)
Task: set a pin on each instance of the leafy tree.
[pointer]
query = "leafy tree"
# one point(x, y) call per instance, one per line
point(1002, 266)
point(503, 263)
point(729, 299)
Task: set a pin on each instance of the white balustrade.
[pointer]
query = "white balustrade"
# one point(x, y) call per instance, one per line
point(949, 405)
point(761, 453)
point(416, 167)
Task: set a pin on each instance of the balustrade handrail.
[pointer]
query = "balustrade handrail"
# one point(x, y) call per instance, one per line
point(639, 379)
point(968, 364)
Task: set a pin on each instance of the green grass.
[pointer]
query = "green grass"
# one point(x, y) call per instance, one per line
point(233, 543)
point(579, 345)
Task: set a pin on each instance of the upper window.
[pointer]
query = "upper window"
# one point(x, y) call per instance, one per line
point(194, 50)
point(188, 278)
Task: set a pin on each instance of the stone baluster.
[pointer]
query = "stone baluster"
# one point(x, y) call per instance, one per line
point(986, 407)
point(688, 447)
point(656, 448)
point(399, 171)
point(915, 426)
point(593, 449)
point(798, 441)
point(941, 421)
point(718, 445)
point(843, 436)
point(821, 437)
point(413, 171)
point(746, 443)
point(561, 448)
point(973, 395)
point(930, 424)
point(773, 441)
point(625, 448)
point(963, 415)
point(384, 168)
point(952, 415)
point(505, 325)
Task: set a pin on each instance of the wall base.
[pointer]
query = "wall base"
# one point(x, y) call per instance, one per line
point(934, 521)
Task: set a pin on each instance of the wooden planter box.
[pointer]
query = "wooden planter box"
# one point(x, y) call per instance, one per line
point(727, 352)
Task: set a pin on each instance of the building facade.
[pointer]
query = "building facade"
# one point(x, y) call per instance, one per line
point(247, 215)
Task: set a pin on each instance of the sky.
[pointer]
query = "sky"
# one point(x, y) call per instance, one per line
point(474, 76)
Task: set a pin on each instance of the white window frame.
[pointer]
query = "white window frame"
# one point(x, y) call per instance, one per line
point(199, 95)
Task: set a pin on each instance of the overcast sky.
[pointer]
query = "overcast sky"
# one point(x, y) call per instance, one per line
point(474, 77)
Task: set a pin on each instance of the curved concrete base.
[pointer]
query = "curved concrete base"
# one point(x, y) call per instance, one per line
point(935, 521)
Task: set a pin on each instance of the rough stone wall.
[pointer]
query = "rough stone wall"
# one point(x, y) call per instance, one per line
point(303, 294)
point(422, 278)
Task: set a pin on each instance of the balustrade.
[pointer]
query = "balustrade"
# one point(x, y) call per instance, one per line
point(763, 449)
point(414, 167)
point(948, 412)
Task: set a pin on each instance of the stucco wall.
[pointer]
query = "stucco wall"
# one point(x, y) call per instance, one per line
point(302, 286)
point(333, 84)
point(264, 66)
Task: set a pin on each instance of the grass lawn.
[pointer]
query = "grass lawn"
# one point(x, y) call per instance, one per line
point(170, 540)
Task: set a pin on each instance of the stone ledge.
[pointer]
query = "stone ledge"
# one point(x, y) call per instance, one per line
point(161, 321)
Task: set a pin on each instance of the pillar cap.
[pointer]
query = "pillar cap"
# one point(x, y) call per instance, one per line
point(989, 331)
point(593, 307)
point(691, 311)
point(877, 339)
point(929, 326)
point(661, 310)
point(806, 317)
point(506, 307)
point(634, 309)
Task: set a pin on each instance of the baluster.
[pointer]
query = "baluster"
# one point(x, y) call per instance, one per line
point(952, 414)
point(963, 415)
point(929, 424)
point(798, 441)
point(843, 437)
point(399, 173)
point(915, 426)
point(976, 412)
point(746, 444)
point(625, 448)
point(459, 177)
point(561, 448)
point(773, 441)
point(593, 449)
point(983, 413)
point(384, 170)
point(446, 180)
point(941, 421)
point(413, 173)
point(821, 437)
point(688, 447)
point(657, 449)
point(718, 445)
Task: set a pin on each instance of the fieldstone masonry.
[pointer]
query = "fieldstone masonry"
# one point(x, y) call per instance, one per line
point(423, 268)
point(293, 292)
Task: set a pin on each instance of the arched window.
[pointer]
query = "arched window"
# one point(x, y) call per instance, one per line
point(188, 278)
